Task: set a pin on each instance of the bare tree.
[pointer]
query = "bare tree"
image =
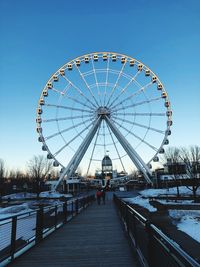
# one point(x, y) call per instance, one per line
point(39, 168)
point(173, 160)
point(2, 169)
point(191, 158)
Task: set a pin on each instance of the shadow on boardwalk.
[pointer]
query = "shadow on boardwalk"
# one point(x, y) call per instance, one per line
point(94, 239)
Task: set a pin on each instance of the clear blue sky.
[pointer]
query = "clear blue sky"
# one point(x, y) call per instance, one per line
point(37, 37)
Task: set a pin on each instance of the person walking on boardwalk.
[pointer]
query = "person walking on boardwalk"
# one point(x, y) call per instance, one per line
point(103, 195)
point(98, 195)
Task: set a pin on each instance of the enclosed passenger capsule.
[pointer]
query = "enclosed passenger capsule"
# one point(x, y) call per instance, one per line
point(150, 166)
point(40, 139)
point(162, 151)
point(168, 132)
point(166, 142)
point(45, 93)
point(39, 111)
point(38, 120)
point(156, 159)
point(49, 156)
point(105, 57)
point(95, 57)
point(167, 104)
point(169, 113)
point(49, 85)
point(159, 87)
point(114, 57)
point(78, 62)
point(140, 67)
point(86, 59)
point(147, 72)
point(169, 123)
point(39, 129)
point(123, 60)
point(132, 62)
point(164, 94)
point(55, 78)
point(154, 79)
point(62, 72)
point(44, 148)
point(69, 66)
point(41, 102)
point(55, 163)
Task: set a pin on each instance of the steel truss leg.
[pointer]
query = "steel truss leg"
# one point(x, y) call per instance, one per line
point(137, 160)
point(76, 159)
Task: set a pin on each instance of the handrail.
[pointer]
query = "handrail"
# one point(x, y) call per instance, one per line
point(148, 253)
point(21, 231)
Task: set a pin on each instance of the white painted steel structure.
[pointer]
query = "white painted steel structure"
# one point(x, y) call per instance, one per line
point(102, 102)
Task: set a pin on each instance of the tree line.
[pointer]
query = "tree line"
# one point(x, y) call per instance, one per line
point(38, 170)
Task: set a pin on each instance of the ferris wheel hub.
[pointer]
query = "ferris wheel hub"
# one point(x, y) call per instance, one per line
point(103, 111)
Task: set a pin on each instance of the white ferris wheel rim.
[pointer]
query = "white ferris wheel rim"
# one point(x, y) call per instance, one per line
point(94, 105)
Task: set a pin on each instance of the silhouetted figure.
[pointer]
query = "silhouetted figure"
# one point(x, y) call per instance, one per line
point(98, 195)
point(103, 195)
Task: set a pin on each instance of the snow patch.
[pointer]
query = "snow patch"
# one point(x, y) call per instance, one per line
point(141, 202)
point(188, 222)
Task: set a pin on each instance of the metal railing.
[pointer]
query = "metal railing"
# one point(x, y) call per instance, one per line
point(153, 247)
point(20, 232)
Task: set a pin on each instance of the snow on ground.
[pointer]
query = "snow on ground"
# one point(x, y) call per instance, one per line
point(54, 194)
point(19, 195)
point(187, 221)
point(167, 191)
point(14, 210)
point(144, 202)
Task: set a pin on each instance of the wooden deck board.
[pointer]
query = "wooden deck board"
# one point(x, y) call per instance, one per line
point(94, 239)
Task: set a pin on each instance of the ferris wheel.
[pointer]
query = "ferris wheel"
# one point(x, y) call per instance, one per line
point(103, 103)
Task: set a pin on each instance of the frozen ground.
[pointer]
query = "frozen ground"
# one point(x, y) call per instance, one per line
point(187, 221)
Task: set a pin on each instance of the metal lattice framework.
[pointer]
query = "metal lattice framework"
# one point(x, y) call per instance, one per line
point(103, 102)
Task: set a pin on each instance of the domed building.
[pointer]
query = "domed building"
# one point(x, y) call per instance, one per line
point(107, 168)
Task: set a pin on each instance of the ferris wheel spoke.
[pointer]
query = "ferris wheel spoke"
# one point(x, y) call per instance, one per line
point(69, 108)
point(104, 138)
point(88, 87)
point(106, 83)
point(136, 136)
point(96, 82)
point(139, 125)
point(140, 114)
point(80, 102)
point(74, 138)
point(67, 129)
point(67, 118)
point(66, 88)
point(79, 91)
point(133, 79)
point(93, 149)
point(116, 149)
point(116, 83)
point(139, 103)
point(142, 89)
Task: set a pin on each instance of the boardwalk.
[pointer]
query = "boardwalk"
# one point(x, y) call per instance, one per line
point(94, 239)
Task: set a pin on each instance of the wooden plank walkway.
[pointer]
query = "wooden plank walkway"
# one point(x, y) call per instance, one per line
point(94, 239)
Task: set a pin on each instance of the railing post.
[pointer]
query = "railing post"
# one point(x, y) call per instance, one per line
point(76, 203)
point(127, 219)
point(134, 232)
point(13, 237)
point(56, 216)
point(39, 225)
point(65, 212)
point(150, 244)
